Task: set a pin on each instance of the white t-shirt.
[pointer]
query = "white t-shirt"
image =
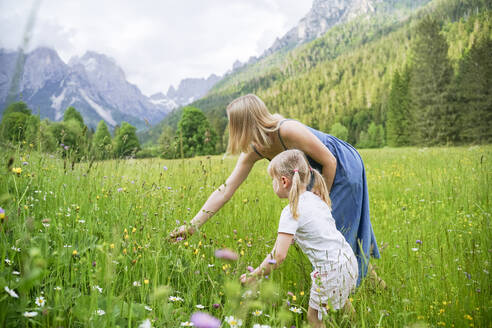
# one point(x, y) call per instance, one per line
point(315, 232)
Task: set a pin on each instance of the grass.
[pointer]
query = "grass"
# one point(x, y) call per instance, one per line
point(92, 242)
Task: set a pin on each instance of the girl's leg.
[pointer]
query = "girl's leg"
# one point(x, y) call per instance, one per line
point(375, 279)
point(313, 319)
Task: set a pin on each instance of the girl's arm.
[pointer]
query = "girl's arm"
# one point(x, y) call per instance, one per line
point(220, 196)
point(296, 135)
point(272, 260)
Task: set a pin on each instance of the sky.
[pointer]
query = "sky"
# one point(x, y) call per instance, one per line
point(157, 43)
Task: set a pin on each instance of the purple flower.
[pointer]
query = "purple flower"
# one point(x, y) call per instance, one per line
point(66, 147)
point(204, 320)
point(62, 145)
point(418, 241)
point(216, 305)
point(169, 188)
point(25, 163)
point(120, 189)
point(226, 254)
point(94, 263)
point(165, 168)
point(179, 239)
point(250, 268)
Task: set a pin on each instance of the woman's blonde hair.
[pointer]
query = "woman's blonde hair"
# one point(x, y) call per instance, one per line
point(249, 122)
point(294, 165)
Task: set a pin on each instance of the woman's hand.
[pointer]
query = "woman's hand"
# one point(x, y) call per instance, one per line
point(247, 279)
point(181, 233)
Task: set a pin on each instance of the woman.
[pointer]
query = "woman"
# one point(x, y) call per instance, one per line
point(257, 134)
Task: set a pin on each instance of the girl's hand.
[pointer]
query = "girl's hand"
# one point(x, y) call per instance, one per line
point(181, 233)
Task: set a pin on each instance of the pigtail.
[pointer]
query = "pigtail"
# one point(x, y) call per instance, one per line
point(319, 187)
point(294, 194)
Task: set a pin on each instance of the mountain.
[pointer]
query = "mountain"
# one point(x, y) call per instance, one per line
point(188, 91)
point(94, 84)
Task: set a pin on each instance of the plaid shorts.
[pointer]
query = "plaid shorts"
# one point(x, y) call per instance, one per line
point(331, 287)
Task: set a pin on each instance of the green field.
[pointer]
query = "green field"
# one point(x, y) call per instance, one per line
point(91, 240)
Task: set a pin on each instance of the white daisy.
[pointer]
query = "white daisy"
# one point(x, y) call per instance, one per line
point(175, 299)
point(199, 306)
point(57, 288)
point(100, 312)
point(295, 309)
point(11, 292)
point(233, 322)
point(40, 301)
point(16, 273)
point(187, 324)
point(257, 313)
point(99, 289)
point(137, 284)
point(148, 308)
point(29, 314)
point(9, 262)
point(145, 324)
point(257, 325)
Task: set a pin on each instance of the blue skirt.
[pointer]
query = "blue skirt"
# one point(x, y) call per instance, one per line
point(350, 200)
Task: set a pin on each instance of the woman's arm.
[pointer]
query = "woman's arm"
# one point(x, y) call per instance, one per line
point(297, 136)
point(220, 196)
point(272, 260)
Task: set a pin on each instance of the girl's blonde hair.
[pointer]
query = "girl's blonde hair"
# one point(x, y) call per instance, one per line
point(294, 165)
point(249, 122)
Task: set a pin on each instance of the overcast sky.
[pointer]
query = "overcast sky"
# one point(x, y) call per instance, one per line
point(157, 43)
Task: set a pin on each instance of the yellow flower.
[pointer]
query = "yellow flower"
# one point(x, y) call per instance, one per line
point(420, 317)
point(468, 317)
point(294, 298)
point(302, 294)
point(146, 281)
point(440, 323)
point(111, 246)
point(186, 243)
point(17, 170)
point(196, 251)
point(134, 229)
point(74, 252)
point(124, 251)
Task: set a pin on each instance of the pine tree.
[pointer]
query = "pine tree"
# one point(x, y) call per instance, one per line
point(102, 141)
point(434, 118)
point(474, 92)
point(398, 115)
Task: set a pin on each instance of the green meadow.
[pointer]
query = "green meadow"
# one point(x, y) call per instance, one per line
point(85, 244)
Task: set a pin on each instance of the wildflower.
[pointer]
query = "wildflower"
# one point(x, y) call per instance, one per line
point(226, 254)
point(211, 265)
point(9, 262)
point(146, 281)
point(25, 163)
point(468, 317)
point(137, 284)
point(199, 306)
point(74, 253)
point(418, 241)
point(145, 324)
point(233, 322)
point(257, 313)
point(66, 147)
point(187, 324)
point(57, 288)
point(99, 289)
point(175, 299)
point(204, 320)
point(295, 309)
point(216, 305)
point(40, 301)
point(11, 292)
point(148, 308)
point(165, 168)
point(119, 189)
point(415, 249)
point(2, 213)
point(100, 312)
point(29, 314)
point(250, 268)
point(257, 325)
point(17, 170)
point(15, 273)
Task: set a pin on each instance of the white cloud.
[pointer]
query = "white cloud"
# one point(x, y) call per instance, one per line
point(157, 43)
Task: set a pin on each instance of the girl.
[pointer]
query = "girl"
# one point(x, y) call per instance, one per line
point(308, 218)
point(257, 134)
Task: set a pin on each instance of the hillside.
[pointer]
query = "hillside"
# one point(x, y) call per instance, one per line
point(345, 75)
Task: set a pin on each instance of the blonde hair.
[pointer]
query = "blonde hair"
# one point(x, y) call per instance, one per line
point(293, 164)
point(249, 122)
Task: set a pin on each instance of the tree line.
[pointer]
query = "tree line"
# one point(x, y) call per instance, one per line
point(70, 137)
